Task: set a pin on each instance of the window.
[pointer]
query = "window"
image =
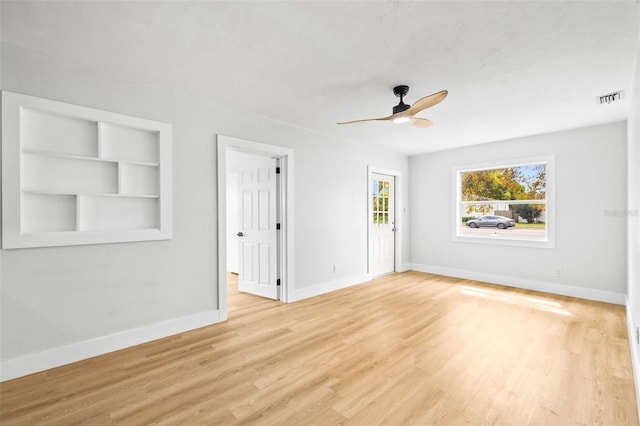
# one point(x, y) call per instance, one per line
point(380, 202)
point(508, 203)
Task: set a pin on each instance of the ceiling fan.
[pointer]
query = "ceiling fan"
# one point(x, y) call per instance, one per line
point(403, 113)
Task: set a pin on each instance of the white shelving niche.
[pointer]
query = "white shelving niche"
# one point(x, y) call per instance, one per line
point(76, 175)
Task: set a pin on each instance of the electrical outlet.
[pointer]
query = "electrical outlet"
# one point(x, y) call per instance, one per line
point(558, 272)
point(333, 269)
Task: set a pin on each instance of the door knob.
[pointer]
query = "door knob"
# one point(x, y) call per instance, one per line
point(240, 234)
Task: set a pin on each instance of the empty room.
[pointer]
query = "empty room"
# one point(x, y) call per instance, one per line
point(320, 212)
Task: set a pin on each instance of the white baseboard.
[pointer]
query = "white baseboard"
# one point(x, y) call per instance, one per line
point(33, 363)
point(318, 289)
point(635, 360)
point(404, 267)
point(547, 287)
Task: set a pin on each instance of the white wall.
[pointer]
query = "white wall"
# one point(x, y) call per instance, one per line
point(633, 303)
point(66, 303)
point(590, 243)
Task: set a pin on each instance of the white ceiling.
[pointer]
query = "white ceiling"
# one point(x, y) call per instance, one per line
point(512, 68)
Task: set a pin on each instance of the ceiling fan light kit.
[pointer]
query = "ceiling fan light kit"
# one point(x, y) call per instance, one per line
point(403, 113)
point(400, 120)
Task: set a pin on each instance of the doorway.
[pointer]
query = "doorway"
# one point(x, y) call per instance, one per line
point(265, 197)
point(383, 222)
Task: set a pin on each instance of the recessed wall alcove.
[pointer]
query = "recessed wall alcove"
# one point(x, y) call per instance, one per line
point(76, 175)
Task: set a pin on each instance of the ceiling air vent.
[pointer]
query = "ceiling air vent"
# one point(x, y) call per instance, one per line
point(610, 97)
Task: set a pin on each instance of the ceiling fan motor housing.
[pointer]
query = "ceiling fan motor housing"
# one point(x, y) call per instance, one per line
point(400, 107)
point(401, 92)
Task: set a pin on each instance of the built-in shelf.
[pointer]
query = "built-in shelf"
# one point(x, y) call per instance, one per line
point(76, 175)
point(81, 157)
point(27, 191)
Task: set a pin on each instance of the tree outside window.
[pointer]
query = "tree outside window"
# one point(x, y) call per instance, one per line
point(517, 192)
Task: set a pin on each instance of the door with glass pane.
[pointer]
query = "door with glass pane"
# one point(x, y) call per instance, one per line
point(382, 225)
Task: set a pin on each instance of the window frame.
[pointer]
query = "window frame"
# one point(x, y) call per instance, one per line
point(548, 242)
point(380, 203)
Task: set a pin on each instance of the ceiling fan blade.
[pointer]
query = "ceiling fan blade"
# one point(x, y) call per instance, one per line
point(426, 102)
point(421, 122)
point(368, 119)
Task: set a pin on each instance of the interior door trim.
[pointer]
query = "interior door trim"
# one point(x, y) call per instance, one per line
point(399, 215)
point(286, 236)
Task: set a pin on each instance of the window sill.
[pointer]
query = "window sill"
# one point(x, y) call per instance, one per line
point(503, 240)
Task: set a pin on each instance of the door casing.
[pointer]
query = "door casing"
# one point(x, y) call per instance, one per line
point(286, 234)
point(382, 254)
point(399, 216)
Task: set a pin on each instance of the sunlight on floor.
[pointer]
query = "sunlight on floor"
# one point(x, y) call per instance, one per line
point(534, 302)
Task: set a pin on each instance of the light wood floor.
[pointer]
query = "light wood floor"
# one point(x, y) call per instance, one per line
point(409, 348)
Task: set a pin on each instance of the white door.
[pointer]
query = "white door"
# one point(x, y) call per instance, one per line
point(382, 223)
point(257, 234)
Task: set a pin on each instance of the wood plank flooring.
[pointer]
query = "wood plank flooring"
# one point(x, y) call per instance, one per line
point(405, 349)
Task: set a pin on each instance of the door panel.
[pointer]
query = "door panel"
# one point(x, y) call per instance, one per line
point(264, 219)
point(264, 258)
point(246, 207)
point(246, 257)
point(382, 232)
point(257, 233)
